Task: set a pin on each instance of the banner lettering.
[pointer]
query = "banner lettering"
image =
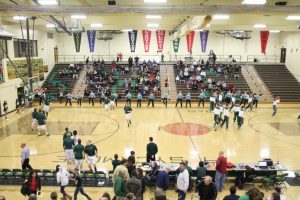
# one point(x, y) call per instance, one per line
point(132, 39)
point(203, 39)
point(160, 37)
point(176, 44)
point(91, 38)
point(190, 41)
point(77, 41)
point(146, 39)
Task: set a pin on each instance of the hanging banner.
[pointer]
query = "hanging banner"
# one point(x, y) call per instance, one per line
point(146, 39)
point(77, 41)
point(190, 40)
point(91, 38)
point(264, 36)
point(203, 39)
point(132, 39)
point(160, 37)
point(176, 44)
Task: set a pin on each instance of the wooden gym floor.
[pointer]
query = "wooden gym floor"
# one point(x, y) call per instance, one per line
point(261, 136)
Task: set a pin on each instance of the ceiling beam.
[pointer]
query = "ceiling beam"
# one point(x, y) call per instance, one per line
point(60, 25)
point(166, 9)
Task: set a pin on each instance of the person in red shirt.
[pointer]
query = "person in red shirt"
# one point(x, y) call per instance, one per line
point(34, 184)
point(221, 171)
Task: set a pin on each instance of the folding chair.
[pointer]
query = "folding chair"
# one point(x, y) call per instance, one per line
point(19, 176)
point(49, 177)
point(8, 176)
point(89, 178)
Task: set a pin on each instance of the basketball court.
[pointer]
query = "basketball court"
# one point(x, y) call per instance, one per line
point(261, 136)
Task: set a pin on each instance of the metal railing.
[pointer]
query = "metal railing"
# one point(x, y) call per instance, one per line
point(71, 58)
point(157, 57)
point(263, 58)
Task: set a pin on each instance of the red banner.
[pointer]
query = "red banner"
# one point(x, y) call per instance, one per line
point(264, 36)
point(160, 37)
point(146, 39)
point(190, 40)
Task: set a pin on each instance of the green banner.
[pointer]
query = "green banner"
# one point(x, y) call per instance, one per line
point(176, 44)
point(77, 41)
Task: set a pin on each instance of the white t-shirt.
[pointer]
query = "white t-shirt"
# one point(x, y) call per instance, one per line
point(236, 108)
point(249, 100)
point(217, 111)
point(275, 102)
point(62, 177)
point(226, 112)
point(241, 113)
point(220, 97)
point(212, 99)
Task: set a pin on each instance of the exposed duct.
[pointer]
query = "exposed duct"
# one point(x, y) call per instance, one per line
point(197, 22)
point(107, 34)
point(240, 35)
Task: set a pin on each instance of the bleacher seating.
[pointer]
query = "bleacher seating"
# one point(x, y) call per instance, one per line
point(280, 82)
point(231, 81)
point(55, 82)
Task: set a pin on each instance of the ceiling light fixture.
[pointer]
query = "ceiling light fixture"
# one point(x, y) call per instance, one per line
point(48, 2)
point(153, 17)
point(293, 17)
point(96, 25)
point(155, 1)
point(208, 25)
point(19, 18)
point(259, 26)
point(152, 25)
point(127, 30)
point(50, 25)
point(254, 2)
point(274, 31)
point(221, 17)
point(78, 17)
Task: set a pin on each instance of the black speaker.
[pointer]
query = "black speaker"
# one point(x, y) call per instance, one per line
point(112, 2)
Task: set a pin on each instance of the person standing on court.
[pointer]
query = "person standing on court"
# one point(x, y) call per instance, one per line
point(68, 148)
point(79, 187)
point(34, 118)
point(182, 182)
point(221, 171)
point(128, 98)
point(127, 110)
point(139, 100)
point(79, 98)
point(79, 155)
point(151, 99)
point(165, 99)
point(25, 157)
point(62, 178)
point(92, 153)
point(5, 109)
point(41, 119)
point(91, 98)
point(188, 99)
point(69, 99)
point(151, 150)
point(275, 102)
point(179, 99)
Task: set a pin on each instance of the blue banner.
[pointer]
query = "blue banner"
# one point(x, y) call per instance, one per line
point(203, 39)
point(91, 38)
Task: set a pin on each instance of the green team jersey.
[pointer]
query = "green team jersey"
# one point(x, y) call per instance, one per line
point(65, 135)
point(127, 109)
point(90, 150)
point(112, 98)
point(78, 151)
point(34, 115)
point(41, 118)
point(106, 101)
point(68, 143)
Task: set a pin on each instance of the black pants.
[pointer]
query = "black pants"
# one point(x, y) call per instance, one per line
point(68, 100)
point(179, 100)
point(165, 101)
point(201, 101)
point(149, 158)
point(139, 103)
point(225, 120)
point(91, 100)
point(236, 115)
point(216, 119)
point(212, 106)
point(152, 101)
point(26, 165)
point(60, 99)
point(79, 102)
point(188, 102)
point(116, 102)
point(128, 100)
point(240, 121)
point(181, 195)
point(79, 189)
point(255, 103)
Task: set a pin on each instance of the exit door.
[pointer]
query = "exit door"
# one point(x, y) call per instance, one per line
point(282, 55)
